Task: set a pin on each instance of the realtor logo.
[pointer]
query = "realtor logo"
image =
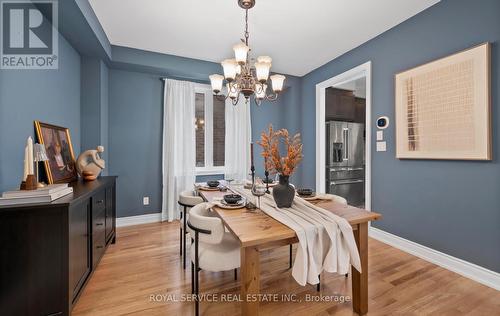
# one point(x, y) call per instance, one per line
point(28, 34)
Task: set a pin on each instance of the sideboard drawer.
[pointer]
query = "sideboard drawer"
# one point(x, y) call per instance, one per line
point(99, 246)
point(99, 202)
point(98, 224)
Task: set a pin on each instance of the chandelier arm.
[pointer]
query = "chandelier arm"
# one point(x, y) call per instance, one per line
point(221, 97)
point(257, 101)
point(259, 87)
point(236, 99)
point(232, 88)
point(272, 97)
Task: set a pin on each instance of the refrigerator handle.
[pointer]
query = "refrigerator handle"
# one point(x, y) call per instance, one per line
point(345, 133)
point(341, 182)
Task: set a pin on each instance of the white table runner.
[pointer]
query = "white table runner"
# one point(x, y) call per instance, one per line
point(326, 241)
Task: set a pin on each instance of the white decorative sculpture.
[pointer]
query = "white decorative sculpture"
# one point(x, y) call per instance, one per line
point(89, 164)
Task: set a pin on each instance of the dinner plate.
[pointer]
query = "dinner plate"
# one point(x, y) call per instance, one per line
point(319, 197)
point(223, 204)
point(206, 188)
point(311, 197)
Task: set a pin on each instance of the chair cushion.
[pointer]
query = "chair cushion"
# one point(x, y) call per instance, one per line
point(218, 257)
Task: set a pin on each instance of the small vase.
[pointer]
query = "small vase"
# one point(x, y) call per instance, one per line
point(283, 193)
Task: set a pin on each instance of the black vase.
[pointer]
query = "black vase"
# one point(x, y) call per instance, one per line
point(283, 192)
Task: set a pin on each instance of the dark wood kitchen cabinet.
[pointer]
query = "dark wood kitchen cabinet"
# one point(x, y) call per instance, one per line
point(49, 251)
point(339, 105)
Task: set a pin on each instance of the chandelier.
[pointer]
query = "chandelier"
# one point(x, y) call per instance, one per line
point(244, 75)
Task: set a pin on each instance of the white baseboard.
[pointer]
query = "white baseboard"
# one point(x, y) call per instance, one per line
point(462, 267)
point(137, 220)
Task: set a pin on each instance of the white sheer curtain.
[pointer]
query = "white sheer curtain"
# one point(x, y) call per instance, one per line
point(179, 144)
point(238, 138)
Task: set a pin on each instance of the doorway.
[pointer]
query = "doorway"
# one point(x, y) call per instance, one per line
point(343, 136)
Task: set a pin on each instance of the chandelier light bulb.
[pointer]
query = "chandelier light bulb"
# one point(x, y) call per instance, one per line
point(265, 59)
point(229, 66)
point(216, 82)
point(240, 53)
point(262, 71)
point(277, 82)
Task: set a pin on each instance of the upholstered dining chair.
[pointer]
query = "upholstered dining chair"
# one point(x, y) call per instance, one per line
point(339, 199)
point(214, 249)
point(187, 199)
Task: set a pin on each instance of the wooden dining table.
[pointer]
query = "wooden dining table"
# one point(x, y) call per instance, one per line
point(257, 231)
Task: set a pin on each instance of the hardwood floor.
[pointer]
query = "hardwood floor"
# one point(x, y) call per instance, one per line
point(142, 273)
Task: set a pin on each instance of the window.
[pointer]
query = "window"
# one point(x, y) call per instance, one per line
point(210, 124)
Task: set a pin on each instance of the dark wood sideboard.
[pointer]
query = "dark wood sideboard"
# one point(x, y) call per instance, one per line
point(49, 251)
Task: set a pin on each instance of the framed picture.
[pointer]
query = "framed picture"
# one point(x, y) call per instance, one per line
point(61, 166)
point(443, 108)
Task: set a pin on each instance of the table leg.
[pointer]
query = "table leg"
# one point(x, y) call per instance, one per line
point(250, 280)
point(360, 280)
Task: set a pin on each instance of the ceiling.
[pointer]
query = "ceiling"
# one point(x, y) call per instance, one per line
point(299, 35)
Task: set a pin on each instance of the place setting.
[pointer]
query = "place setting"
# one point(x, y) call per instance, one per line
point(231, 201)
point(212, 185)
point(307, 194)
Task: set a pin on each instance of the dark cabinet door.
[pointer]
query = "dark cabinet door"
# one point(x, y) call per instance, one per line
point(110, 209)
point(31, 262)
point(339, 105)
point(79, 246)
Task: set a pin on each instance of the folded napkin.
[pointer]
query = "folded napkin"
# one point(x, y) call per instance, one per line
point(326, 241)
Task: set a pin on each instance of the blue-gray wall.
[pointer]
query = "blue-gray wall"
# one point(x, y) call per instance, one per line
point(135, 140)
point(104, 86)
point(450, 206)
point(94, 105)
point(90, 102)
point(51, 96)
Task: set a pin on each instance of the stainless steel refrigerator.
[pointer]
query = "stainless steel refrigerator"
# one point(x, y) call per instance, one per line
point(345, 161)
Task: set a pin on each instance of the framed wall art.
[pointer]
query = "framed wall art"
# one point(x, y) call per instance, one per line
point(60, 167)
point(443, 108)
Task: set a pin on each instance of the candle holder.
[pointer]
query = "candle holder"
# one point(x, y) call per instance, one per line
point(40, 155)
point(29, 184)
point(266, 173)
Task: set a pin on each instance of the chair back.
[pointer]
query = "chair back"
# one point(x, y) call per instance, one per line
point(189, 199)
point(339, 199)
point(199, 217)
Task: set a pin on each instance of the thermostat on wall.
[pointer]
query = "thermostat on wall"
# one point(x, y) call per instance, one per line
point(382, 122)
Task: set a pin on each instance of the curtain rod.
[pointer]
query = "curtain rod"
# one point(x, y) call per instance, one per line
point(205, 81)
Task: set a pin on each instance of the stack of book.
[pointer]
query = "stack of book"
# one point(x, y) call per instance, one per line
point(42, 195)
